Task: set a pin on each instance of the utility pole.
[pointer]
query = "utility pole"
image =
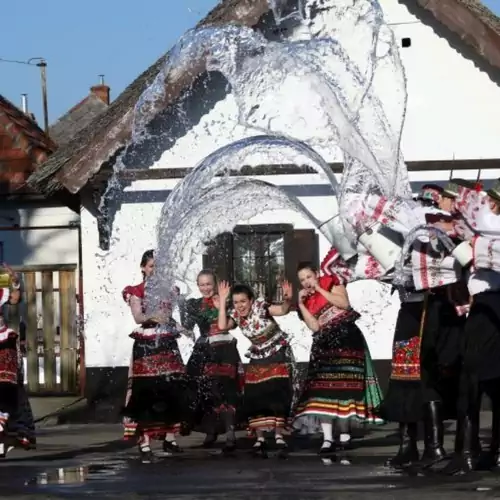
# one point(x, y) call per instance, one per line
point(42, 64)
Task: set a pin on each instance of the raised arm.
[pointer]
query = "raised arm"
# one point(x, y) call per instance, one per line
point(223, 321)
point(311, 322)
point(284, 308)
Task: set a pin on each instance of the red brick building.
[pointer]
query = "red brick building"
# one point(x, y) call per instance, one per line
point(23, 147)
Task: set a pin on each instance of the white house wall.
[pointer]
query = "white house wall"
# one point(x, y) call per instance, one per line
point(34, 245)
point(108, 320)
point(453, 111)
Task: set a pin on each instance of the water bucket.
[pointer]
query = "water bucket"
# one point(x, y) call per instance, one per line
point(383, 244)
point(463, 253)
point(333, 231)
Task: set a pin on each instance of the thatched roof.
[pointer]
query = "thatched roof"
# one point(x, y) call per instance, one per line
point(473, 22)
point(76, 119)
point(73, 165)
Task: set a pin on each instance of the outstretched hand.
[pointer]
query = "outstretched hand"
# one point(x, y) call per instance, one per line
point(224, 290)
point(287, 290)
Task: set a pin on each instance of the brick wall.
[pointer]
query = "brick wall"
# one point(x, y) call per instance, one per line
point(23, 147)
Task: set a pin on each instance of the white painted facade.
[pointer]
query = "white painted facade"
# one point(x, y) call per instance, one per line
point(452, 114)
point(37, 234)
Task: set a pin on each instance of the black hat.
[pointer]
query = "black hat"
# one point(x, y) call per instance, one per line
point(494, 192)
point(451, 189)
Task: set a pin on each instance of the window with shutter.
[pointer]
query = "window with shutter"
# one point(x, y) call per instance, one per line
point(262, 256)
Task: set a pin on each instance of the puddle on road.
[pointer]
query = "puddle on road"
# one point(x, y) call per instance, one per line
point(78, 475)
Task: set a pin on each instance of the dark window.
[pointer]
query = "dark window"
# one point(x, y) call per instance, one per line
point(406, 42)
point(259, 261)
point(262, 256)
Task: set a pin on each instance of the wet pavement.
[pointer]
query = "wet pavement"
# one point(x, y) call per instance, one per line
point(83, 461)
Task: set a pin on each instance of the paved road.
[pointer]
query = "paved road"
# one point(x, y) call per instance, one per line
point(82, 461)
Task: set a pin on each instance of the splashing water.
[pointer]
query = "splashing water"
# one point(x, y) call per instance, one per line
point(341, 77)
point(234, 157)
point(341, 107)
point(183, 243)
point(283, 10)
point(189, 195)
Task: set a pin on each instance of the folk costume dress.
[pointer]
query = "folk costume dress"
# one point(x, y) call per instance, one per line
point(215, 368)
point(160, 397)
point(17, 427)
point(341, 382)
point(269, 376)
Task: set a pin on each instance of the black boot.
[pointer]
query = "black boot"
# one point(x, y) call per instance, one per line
point(434, 434)
point(210, 440)
point(408, 450)
point(467, 448)
point(491, 460)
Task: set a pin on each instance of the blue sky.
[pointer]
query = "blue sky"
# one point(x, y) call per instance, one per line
point(84, 38)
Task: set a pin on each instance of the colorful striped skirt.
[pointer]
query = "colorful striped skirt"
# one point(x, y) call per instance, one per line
point(341, 382)
point(161, 399)
point(269, 391)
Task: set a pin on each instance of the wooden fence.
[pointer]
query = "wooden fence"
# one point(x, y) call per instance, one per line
point(47, 320)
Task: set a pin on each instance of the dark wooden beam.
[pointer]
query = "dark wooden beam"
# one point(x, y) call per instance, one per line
point(139, 174)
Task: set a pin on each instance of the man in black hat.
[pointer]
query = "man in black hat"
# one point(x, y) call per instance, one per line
point(481, 345)
point(424, 388)
point(430, 195)
point(438, 275)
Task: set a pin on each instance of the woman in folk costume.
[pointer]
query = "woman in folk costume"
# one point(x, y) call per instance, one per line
point(341, 384)
point(215, 364)
point(16, 418)
point(158, 397)
point(481, 346)
point(268, 379)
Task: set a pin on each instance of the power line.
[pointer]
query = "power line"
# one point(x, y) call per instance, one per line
point(30, 62)
point(42, 64)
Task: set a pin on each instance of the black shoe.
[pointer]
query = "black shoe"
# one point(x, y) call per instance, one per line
point(282, 448)
point(407, 454)
point(146, 454)
point(259, 449)
point(210, 440)
point(343, 449)
point(171, 447)
point(434, 451)
point(327, 451)
point(459, 465)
